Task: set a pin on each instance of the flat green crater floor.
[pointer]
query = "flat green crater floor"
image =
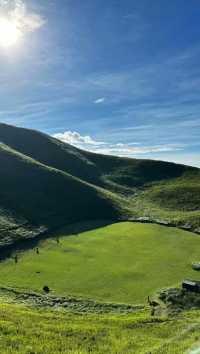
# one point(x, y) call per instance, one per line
point(122, 262)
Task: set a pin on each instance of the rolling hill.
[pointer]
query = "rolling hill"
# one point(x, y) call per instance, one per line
point(35, 197)
point(46, 184)
point(98, 169)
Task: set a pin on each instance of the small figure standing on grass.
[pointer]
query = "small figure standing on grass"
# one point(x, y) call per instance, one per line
point(37, 250)
point(58, 240)
point(16, 259)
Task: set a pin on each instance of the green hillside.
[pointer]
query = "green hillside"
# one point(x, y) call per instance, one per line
point(95, 168)
point(36, 195)
point(46, 184)
point(182, 194)
point(176, 201)
point(49, 151)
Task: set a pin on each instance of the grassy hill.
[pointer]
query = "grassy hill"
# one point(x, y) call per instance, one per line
point(37, 195)
point(176, 201)
point(49, 151)
point(95, 168)
point(182, 194)
point(46, 183)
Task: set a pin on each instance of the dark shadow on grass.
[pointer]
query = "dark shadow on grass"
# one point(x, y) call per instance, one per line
point(69, 230)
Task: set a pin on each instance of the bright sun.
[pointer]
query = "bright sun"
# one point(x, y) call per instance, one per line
point(9, 33)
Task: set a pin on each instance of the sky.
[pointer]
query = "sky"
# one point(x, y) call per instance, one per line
point(115, 77)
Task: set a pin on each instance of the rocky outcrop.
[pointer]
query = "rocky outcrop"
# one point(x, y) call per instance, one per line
point(180, 299)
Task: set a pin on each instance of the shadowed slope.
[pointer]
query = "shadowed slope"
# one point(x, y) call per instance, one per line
point(95, 168)
point(50, 151)
point(45, 196)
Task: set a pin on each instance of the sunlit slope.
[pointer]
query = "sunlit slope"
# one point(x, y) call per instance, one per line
point(180, 194)
point(29, 330)
point(42, 195)
point(175, 201)
point(123, 262)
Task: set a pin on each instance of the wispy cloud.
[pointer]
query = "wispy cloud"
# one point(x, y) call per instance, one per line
point(138, 127)
point(17, 12)
point(127, 150)
point(144, 92)
point(147, 83)
point(100, 100)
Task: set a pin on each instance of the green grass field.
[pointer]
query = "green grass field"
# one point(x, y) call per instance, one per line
point(123, 262)
point(32, 331)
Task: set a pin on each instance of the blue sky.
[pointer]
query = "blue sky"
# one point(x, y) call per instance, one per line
point(118, 77)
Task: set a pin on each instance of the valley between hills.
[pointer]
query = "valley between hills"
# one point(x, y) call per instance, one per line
point(85, 239)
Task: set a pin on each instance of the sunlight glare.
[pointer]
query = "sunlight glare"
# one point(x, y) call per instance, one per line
point(9, 33)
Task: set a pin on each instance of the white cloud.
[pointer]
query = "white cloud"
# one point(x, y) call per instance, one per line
point(16, 12)
point(100, 100)
point(117, 149)
point(76, 139)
